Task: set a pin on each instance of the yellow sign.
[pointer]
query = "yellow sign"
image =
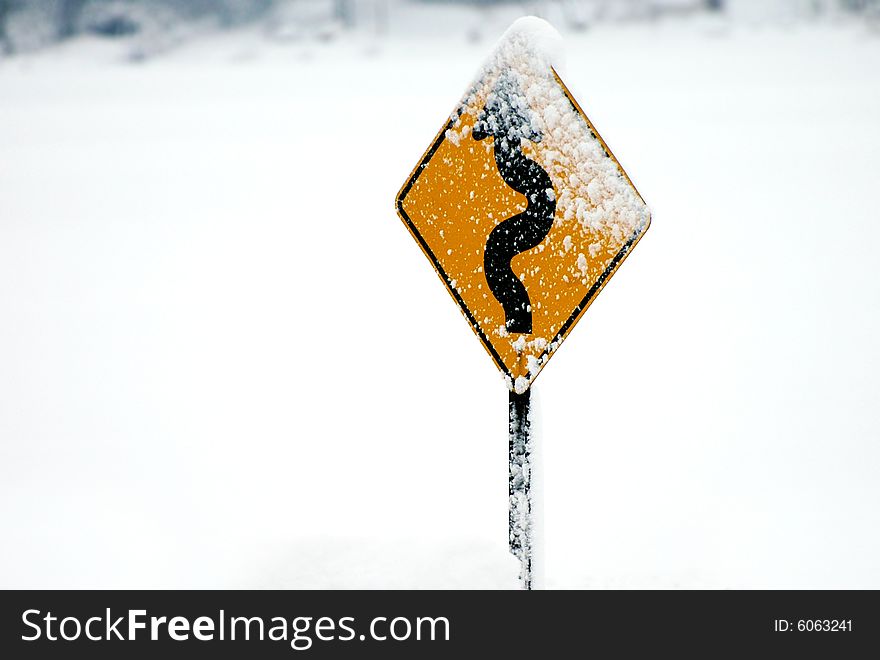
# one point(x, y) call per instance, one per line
point(520, 206)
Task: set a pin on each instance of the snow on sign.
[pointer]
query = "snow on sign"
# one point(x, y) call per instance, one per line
point(521, 206)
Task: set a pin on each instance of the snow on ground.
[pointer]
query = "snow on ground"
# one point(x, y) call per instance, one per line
point(215, 329)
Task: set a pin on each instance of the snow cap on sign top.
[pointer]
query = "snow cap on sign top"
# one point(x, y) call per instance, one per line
point(536, 36)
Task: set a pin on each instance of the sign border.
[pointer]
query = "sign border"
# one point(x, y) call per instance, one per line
point(591, 294)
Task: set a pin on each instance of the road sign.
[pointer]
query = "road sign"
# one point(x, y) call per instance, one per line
point(521, 206)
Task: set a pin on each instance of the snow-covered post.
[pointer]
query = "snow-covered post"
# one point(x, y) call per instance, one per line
point(525, 490)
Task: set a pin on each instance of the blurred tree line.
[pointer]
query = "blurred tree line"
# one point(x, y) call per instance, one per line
point(40, 22)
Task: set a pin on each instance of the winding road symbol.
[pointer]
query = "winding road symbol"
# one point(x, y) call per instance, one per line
point(507, 123)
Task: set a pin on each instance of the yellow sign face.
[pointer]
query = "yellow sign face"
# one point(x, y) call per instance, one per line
point(521, 207)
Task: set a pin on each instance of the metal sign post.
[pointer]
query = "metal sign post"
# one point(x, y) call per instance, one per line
point(526, 515)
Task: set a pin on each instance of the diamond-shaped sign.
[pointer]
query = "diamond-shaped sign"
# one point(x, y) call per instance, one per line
point(520, 206)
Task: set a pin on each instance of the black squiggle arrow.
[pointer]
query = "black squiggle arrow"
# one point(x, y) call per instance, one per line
point(504, 119)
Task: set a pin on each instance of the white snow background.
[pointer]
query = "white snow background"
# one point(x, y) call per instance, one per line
point(225, 363)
